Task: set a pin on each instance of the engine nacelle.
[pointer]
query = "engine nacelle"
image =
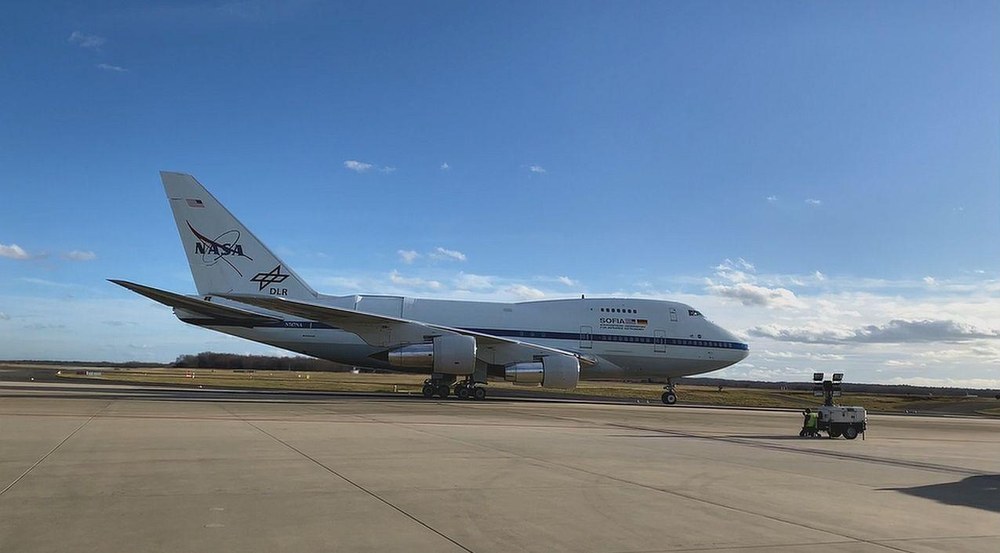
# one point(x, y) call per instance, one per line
point(553, 371)
point(448, 354)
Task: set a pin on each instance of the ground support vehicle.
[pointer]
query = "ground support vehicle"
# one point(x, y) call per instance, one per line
point(840, 421)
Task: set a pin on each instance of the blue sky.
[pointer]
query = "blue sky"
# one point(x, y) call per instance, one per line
point(823, 178)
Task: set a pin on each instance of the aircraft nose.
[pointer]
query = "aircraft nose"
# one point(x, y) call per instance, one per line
point(743, 350)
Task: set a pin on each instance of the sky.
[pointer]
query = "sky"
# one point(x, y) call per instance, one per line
point(820, 178)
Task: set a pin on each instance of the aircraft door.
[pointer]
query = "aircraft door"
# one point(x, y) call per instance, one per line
point(586, 337)
point(659, 341)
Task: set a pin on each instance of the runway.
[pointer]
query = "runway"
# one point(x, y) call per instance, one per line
point(107, 468)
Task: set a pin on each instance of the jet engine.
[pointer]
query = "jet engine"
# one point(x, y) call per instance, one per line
point(553, 371)
point(448, 354)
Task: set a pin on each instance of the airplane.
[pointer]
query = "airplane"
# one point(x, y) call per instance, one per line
point(245, 290)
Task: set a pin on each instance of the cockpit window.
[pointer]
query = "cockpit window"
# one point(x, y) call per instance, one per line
point(693, 313)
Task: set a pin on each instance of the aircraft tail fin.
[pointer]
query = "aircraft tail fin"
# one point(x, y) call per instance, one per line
point(225, 257)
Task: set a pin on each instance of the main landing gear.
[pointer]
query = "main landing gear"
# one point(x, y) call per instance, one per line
point(470, 390)
point(441, 386)
point(669, 397)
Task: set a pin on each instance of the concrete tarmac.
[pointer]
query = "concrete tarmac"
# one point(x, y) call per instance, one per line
point(122, 469)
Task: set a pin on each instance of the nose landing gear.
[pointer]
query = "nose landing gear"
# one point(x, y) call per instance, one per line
point(669, 397)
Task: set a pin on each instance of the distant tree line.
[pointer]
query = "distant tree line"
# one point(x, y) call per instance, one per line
point(125, 365)
point(849, 387)
point(213, 360)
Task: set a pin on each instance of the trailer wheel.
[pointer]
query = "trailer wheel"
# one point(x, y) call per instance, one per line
point(850, 432)
point(834, 433)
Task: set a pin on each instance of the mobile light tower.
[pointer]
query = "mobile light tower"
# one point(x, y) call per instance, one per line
point(837, 420)
point(827, 389)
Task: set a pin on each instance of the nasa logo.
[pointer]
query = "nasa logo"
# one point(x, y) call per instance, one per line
point(225, 245)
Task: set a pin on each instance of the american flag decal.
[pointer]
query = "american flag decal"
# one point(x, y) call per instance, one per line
point(195, 203)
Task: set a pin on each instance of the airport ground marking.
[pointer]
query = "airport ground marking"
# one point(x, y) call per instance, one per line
point(334, 472)
point(675, 493)
point(53, 450)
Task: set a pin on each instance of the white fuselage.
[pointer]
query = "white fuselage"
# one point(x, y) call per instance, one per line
point(626, 338)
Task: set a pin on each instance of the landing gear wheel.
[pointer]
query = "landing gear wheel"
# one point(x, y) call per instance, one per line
point(669, 398)
point(444, 391)
point(479, 393)
point(462, 392)
point(428, 391)
point(850, 432)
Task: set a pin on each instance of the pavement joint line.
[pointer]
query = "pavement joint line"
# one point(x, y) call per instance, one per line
point(352, 483)
point(774, 518)
point(53, 450)
point(947, 469)
point(810, 451)
point(768, 546)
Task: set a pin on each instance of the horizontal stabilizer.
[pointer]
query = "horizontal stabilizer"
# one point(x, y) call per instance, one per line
point(195, 305)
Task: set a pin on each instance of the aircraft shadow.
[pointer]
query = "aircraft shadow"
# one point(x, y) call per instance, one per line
point(790, 437)
point(981, 492)
point(730, 436)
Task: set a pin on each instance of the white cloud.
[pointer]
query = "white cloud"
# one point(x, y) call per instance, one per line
point(982, 383)
point(537, 169)
point(364, 167)
point(13, 251)
point(346, 283)
point(929, 281)
point(4, 316)
point(44, 282)
point(743, 286)
point(109, 67)
point(800, 355)
point(896, 331)
point(523, 292)
point(445, 166)
point(445, 254)
point(469, 281)
point(78, 255)
point(819, 276)
point(754, 295)
point(772, 199)
point(814, 202)
point(567, 281)
point(413, 282)
point(83, 40)
point(407, 256)
point(358, 166)
point(737, 271)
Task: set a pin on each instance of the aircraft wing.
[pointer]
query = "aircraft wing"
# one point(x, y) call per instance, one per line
point(386, 331)
point(197, 306)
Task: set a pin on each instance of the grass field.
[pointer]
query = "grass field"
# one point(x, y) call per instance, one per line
point(411, 384)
